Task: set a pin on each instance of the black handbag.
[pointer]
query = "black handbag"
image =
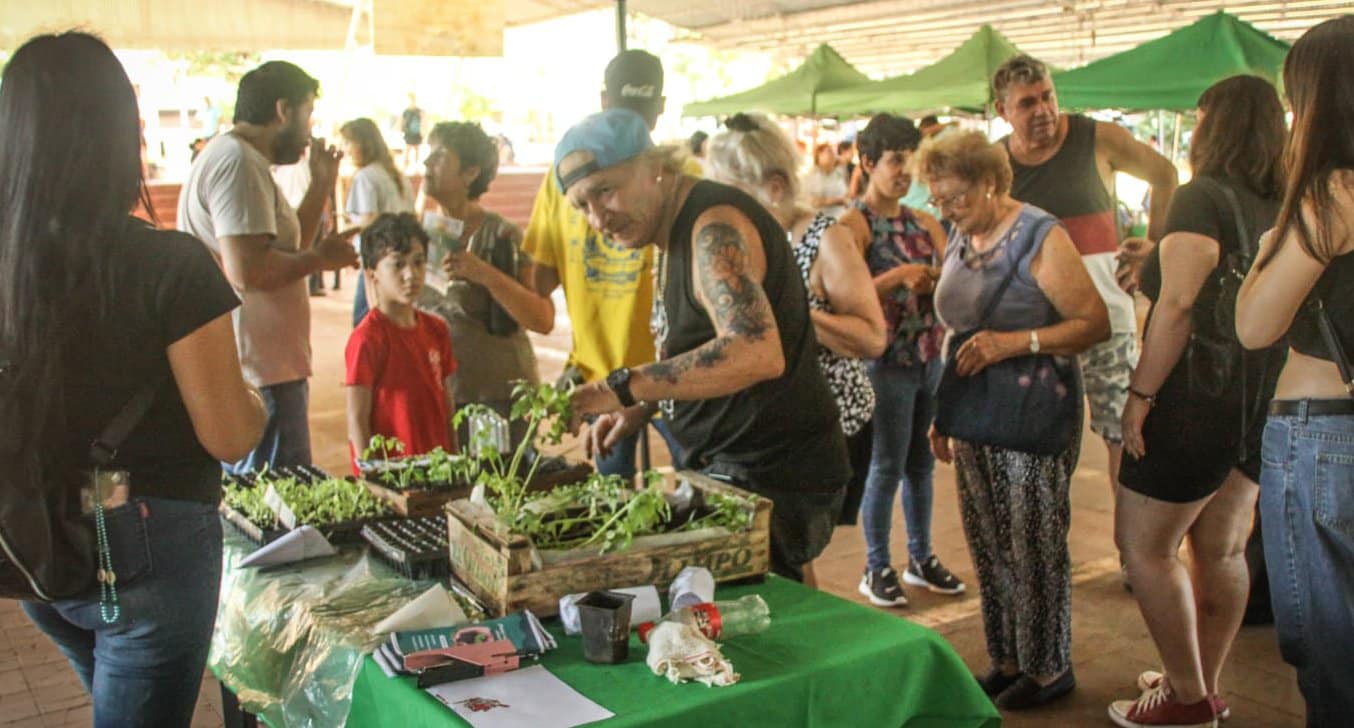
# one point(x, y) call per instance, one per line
point(1214, 359)
point(47, 547)
point(1027, 403)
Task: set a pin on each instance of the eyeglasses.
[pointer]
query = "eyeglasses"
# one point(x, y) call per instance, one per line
point(949, 201)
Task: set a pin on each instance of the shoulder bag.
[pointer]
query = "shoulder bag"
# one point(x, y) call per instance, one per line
point(1027, 403)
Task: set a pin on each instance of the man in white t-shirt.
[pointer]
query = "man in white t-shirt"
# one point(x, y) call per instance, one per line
point(232, 204)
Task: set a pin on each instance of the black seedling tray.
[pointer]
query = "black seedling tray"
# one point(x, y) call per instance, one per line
point(336, 533)
point(415, 547)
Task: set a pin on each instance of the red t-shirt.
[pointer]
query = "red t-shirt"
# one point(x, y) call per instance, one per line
point(406, 370)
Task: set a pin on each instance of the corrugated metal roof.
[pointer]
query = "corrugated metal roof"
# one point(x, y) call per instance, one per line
point(889, 37)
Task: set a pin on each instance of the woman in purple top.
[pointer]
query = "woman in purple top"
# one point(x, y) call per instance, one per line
point(1014, 504)
point(902, 248)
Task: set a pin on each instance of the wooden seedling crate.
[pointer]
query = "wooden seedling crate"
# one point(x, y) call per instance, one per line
point(498, 567)
point(418, 503)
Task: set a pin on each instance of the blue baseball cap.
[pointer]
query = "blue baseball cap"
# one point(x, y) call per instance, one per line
point(609, 138)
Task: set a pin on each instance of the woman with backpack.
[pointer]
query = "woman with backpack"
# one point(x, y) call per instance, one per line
point(1195, 411)
point(115, 332)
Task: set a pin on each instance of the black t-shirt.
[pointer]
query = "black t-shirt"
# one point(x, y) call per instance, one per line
point(1202, 208)
point(165, 286)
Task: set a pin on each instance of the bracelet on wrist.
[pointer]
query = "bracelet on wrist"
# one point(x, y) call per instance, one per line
point(1150, 399)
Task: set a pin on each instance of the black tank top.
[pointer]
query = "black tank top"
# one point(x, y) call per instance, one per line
point(1334, 288)
point(1069, 187)
point(781, 434)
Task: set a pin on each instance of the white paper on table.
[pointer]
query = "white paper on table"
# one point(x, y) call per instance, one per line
point(297, 545)
point(528, 698)
point(430, 610)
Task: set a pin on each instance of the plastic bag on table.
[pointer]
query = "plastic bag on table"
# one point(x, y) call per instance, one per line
point(289, 642)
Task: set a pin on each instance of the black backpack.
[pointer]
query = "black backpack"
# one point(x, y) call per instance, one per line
point(47, 547)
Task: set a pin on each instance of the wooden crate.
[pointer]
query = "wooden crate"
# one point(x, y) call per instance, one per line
point(419, 503)
point(498, 567)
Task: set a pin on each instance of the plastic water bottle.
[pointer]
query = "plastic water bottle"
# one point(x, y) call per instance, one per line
point(719, 620)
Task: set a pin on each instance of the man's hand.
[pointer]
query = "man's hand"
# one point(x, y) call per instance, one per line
point(591, 399)
point(986, 348)
point(609, 429)
point(1133, 253)
point(466, 266)
point(336, 251)
point(324, 163)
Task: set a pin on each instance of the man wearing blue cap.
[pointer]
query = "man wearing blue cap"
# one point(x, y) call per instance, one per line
point(605, 284)
point(737, 377)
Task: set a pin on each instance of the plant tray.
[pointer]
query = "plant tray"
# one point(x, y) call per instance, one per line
point(336, 533)
point(422, 502)
point(508, 574)
point(415, 547)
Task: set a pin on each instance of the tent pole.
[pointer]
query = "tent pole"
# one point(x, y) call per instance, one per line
point(1175, 145)
point(620, 26)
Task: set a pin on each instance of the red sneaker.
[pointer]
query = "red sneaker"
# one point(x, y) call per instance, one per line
point(1158, 708)
point(1151, 678)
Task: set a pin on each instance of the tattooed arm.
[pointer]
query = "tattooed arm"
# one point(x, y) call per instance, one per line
point(728, 265)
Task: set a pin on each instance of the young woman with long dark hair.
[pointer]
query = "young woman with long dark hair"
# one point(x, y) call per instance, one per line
point(96, 306)
point(377, 186)
point(1304, 275)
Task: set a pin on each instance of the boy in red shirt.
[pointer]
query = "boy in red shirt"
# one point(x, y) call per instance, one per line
point(399, 359)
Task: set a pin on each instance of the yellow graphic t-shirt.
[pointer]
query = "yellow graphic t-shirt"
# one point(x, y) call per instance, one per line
point(608, 288)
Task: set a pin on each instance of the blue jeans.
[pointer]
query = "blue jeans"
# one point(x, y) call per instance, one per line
point(1307, 516)
point(905, 405)
point(360, 300)
point(145, 668)
point(621, 461)
point(286, 435)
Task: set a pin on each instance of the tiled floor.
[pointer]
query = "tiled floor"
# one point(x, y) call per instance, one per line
point(1110, 642)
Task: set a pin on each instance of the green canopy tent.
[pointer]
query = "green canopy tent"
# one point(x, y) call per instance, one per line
point(961, 80)
point(794, 94)
point(1170, 72)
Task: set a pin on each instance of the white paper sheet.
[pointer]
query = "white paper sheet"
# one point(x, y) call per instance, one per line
point(432, 609)
point(528, 698)
point(298, 545)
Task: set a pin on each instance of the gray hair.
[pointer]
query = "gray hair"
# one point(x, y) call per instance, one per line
point(1022, 69)
point(751, 157)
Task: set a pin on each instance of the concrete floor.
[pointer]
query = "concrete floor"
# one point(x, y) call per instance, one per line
point(1110, 642)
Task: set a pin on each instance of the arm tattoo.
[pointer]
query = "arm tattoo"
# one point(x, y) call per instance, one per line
point(737, 304)
point(705, 356)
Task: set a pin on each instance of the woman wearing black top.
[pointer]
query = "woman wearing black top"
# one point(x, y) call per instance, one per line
point(1307, 485)
point(1192, 460)
point(94, 307)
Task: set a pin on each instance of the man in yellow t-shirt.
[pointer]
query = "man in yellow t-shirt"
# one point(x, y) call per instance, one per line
point(608, 289)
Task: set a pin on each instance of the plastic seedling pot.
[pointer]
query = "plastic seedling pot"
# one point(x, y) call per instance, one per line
point(605, 618)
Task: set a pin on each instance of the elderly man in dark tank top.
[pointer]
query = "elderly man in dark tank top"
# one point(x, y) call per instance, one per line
point(737, 376)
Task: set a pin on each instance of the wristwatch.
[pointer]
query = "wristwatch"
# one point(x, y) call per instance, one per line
point(619, 382)
point(1034, 341)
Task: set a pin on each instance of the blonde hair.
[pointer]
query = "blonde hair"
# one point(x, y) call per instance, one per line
point(966, 155)
point(751, 154)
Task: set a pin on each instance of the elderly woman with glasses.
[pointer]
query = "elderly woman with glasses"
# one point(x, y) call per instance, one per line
point(1012, 285)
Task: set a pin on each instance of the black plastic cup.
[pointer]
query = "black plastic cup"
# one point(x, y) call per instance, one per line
point(605, 618)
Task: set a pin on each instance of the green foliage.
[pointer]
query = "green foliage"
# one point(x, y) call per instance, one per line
point(249, 503)
point(434, 470)
point(322, 502)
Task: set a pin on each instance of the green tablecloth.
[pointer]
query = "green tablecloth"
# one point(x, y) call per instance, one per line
point(824, 662)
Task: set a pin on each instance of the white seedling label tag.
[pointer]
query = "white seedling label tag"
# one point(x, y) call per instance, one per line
point(280, 507)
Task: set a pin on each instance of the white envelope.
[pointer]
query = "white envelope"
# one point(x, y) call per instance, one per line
point(298, 545)
point(431, 609)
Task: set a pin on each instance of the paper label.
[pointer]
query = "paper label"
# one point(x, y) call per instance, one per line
point(280, 507)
